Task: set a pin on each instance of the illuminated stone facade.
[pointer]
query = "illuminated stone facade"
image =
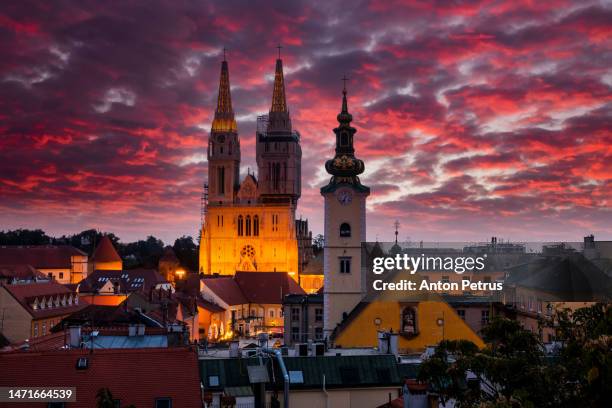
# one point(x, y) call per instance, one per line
point(250, 224)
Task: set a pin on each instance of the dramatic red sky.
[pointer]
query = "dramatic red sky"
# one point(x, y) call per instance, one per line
point(474, 119)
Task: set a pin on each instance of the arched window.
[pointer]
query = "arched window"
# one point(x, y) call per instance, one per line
point(256, 226)
point(345, 230)
point(408, 324)
point(248, 226)
point(240, 226)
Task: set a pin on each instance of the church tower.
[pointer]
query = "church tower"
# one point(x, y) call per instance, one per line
point(223, 147)
point(345, 226)
point(279, 154)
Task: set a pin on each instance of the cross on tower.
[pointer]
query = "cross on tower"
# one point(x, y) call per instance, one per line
point(396, 224)
point(224, 51)
point(279, 50)
point(344, 79)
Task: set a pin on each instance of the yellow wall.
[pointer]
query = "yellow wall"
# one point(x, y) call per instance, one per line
point(311, 283)
point(362, 331)
point(340, 398)
point(108, 266)
point(275, 247)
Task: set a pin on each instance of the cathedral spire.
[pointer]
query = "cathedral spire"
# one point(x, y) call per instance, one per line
point(224, 120)
point(279, 120)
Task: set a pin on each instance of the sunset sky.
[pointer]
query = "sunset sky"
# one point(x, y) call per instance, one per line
point(474, 119)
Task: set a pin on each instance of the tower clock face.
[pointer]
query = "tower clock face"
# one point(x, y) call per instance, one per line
point(345, 196)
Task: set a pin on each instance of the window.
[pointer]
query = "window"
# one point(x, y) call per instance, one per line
point(274, 222)
point(295, 314)
point(44, 328)
point(484, 316)
point(213, 380)
point(35, 329)
point(163, 402)
point(295, 333)
point(256, 226)
point(461, 313)
point(271, 313)
point(61, 275)
point(345, 230)
point(318, 315)
point(318, 333)
point(409, 321)
point(345, 265)
point(240, 226)
point(50, 275)
point(248, 226)
point(445, 279)
point(221, 180)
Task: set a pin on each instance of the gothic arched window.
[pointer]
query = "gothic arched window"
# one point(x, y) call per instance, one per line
point(256, 226)
point(240, 226)
point(345, 230)
point(408, 324)
point(248, 226)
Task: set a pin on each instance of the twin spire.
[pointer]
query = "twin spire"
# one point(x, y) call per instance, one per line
point(224, 120)
point(278, 121)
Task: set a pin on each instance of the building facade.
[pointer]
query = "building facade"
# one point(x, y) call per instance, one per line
point(250, 225)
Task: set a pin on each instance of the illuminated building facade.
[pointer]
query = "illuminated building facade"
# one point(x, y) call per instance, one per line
point(250, 224)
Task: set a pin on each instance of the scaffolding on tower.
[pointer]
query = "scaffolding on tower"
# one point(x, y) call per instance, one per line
point(203, 205)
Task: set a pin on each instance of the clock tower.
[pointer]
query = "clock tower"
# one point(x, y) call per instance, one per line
point(345, 226)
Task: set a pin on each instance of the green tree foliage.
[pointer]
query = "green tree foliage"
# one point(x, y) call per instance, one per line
point(142, 254)
point(513, 371)
point(24, 237)
point(187, 252)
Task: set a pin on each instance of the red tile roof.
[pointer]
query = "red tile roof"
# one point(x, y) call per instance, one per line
point(253, 287)
point(40, 256)
point(20, 272)
point(105, 251)
point(26, 294)
point(132, 280)
point(135, 376)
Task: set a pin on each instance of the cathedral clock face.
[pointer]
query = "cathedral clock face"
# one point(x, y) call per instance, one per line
point(345, 197)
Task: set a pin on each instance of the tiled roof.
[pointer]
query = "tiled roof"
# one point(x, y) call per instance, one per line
point(108, 316)
point(135, 376)
point(132, 280)
point(27, 294)
point(20, 272)
point(253, 287)
point(105, 251)
point(227, 289)
point(39, 256)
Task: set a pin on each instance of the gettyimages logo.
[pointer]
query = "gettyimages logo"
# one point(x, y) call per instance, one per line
point(424, 263)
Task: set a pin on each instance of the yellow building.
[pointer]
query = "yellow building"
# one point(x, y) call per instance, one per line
point(250, 225)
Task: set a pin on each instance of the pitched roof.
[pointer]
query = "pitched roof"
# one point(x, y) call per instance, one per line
point(105, 251)
point(131, 280)
point(132, 375)
point(26, 294)
point(253, 287)
point(20, 272)
point(39, 256)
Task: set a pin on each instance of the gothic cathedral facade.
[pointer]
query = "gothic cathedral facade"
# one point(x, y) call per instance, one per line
point(345, 227)
point(250, 224)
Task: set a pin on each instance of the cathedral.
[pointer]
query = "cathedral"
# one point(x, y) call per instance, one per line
point(250, 223)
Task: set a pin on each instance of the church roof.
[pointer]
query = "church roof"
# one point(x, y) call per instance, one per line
point(105, 251)
point(278, 119)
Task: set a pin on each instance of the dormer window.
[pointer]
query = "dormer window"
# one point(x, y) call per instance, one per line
point(35, 304)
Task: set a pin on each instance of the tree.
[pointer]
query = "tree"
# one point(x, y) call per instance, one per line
point(24, 237)
point(513, 370)
point(317, 243)
point(187, 252)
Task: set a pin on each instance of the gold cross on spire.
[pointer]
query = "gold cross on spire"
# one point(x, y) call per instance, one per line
point(224, 51)
point(279, 50)
point(344, 79)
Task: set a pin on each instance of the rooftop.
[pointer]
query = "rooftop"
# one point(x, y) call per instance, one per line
point(44, 299)
point(40, 256)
